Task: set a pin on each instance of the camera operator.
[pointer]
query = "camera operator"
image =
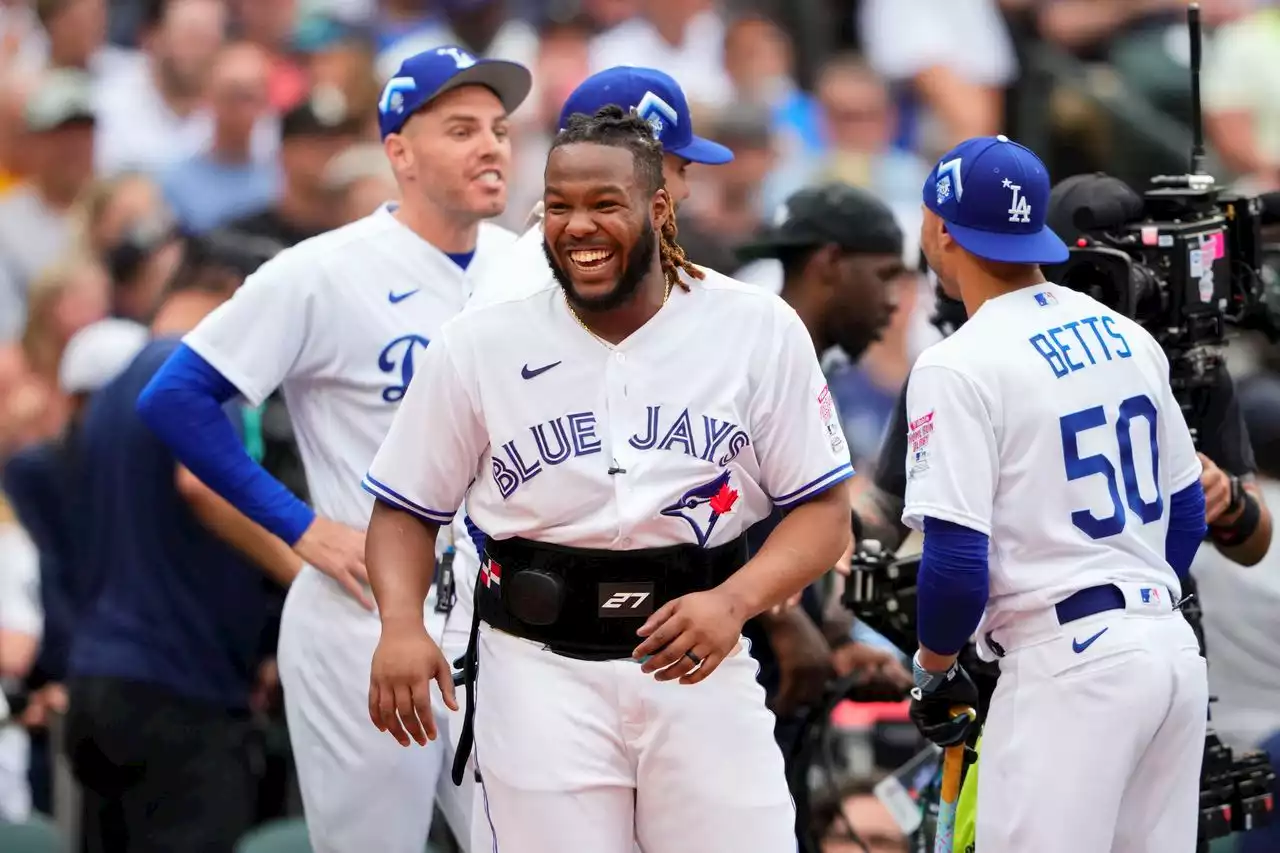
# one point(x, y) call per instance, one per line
point(841, 252)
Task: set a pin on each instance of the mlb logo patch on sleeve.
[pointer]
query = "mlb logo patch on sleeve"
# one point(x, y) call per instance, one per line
point(918, 432)
point(1046, 299)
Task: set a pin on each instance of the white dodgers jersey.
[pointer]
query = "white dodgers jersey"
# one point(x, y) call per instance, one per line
point(688, 432)
point(341, 322)
point(1047, 422)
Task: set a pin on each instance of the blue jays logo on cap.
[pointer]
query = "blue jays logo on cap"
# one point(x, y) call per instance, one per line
point(993, 195)
point(656, 98)
point(429, 74)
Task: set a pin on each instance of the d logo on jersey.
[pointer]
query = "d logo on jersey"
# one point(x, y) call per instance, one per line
point(703, 505)
point(397, 358)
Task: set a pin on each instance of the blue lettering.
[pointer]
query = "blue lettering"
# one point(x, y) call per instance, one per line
point(582, 429)
point(651, 434)
point(681, 431)
point(716, 432)
point(563, 449)
point(737, 443)
point(1092, 323)
point(398, 356)
point(526, 472)
point(1042, 346)
point(1063, 348)
point(505, 479)
point(1108, 323)
point(1074, 326)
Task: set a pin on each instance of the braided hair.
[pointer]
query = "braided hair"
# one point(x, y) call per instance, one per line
point(612, 126)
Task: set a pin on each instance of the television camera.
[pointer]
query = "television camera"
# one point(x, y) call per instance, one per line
point(1235, 789)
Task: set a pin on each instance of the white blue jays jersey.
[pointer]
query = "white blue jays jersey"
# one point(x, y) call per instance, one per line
point(341, 322)
point(1047, 422)
point(522, 270)
point(689, 431)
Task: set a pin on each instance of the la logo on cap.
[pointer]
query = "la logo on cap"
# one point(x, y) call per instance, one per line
point(460, 58)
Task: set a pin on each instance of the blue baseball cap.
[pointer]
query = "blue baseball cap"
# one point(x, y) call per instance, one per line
point(656, 98)
point(427, 75)
point(993, 194)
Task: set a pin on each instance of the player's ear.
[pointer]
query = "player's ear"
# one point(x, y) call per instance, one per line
point(399, 154)
point(660, 209)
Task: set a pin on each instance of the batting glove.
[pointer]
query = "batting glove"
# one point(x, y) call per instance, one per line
point(932, 699)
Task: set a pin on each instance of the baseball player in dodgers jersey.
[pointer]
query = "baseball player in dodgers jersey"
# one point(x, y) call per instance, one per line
point(341, 322)
point(615, 433)
point(1054, 478)
point(658, 99)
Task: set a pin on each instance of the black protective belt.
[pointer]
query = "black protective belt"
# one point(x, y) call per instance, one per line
point(580, 602)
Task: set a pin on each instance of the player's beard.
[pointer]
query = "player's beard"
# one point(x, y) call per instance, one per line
point(634, 270)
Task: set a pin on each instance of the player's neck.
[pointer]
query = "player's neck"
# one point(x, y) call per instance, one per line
point(448, 234)
point(617, 324)
point(979, 287)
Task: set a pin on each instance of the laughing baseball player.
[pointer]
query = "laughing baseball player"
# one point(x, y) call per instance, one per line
point(614, 702)
point(342, 322)
point(1058, 490)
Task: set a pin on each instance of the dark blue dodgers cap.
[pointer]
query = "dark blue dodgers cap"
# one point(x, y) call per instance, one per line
point(427, 75)
point(993, 195)
point(658, 99)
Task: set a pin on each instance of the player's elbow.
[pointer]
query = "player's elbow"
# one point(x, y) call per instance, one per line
point(828, 513)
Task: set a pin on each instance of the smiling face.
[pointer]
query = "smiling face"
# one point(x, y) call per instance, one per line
point(456, 153)
point(601, 217)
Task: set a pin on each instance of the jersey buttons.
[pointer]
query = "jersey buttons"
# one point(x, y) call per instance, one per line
point(620, 357)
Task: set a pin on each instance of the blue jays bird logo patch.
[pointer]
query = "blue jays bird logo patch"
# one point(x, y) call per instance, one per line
point(703, 505)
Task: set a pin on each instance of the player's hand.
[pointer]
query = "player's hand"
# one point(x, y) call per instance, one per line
point(338, 551)
point(43, 705)
point(405, 663)
point(932, 699)
point(804, 660)
point(1217, 489)
point(688, 637)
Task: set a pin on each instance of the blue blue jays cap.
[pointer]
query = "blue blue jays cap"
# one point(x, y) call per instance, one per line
point(993, 194)
point(427, 75)
point(656, 98)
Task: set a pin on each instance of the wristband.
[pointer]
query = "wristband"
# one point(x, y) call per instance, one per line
point(1242, 528)
point(927, 682)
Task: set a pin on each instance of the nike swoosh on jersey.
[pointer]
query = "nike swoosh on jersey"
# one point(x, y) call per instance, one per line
point(395, 298)
point(529, 374)
point(1078, 647)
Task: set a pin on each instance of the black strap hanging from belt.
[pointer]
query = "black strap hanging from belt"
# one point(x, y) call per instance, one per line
point(470, 668)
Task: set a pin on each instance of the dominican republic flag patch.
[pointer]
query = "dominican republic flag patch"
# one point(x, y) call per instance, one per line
point(490, 573)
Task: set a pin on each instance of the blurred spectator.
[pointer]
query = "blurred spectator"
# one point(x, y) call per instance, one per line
point(20, 629)
point(270, 25)
point(362, 180)
point(1242, 97)
point(163, 663)
point(859, 807)
point(606, 14)
point(76, 32)
point(34, 225)
point(127, 225)
point(335, 56)
point(152, 112)
point(65, 298)
point(225, 181)
point(759, 59)
point(728, 201)
point(684, 38)
point(949, 61)
point(14, 89)
point(858, 120)
point(312, 134)
point(23, 43)
point(482, 27)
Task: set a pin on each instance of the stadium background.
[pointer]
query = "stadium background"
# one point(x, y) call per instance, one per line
point(256, 119)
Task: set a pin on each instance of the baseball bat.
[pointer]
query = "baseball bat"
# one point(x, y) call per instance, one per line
point(952, 769)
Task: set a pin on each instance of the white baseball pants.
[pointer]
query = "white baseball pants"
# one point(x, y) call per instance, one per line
point(599, 756)
point(1097, 750)
point(362, 791)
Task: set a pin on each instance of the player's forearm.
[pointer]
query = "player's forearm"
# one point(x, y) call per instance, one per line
point(1255, 545)
point(400, 554)
point(951, 590)
point(807, 542)
point(270, 553)
point(182, 405)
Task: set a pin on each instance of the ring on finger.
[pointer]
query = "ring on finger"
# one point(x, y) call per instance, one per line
point(697, 661)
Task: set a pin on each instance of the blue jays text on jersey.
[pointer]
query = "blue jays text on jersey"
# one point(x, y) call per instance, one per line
point(1080, 343)
point(552, 442)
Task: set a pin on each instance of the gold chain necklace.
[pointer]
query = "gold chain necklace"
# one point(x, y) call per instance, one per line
point(587, 328)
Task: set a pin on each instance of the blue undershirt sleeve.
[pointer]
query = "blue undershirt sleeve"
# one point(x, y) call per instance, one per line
point(1187, 528)
point(182, 405)
point(951, 588)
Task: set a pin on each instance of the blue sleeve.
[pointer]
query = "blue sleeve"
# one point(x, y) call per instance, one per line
point(951, 588)
point(182, 405)
point(1187, 528)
